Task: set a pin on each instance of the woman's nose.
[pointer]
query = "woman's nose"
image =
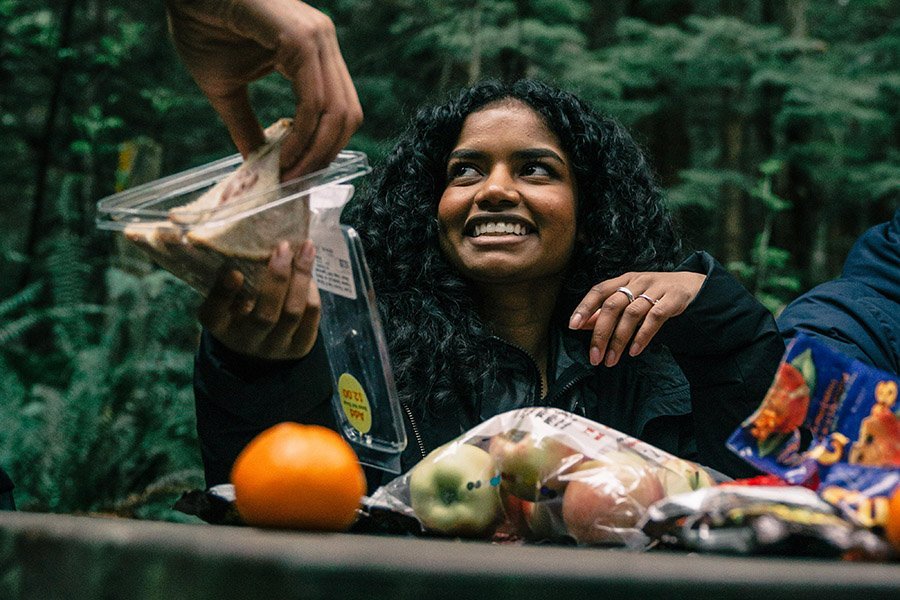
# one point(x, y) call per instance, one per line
point(499, 187)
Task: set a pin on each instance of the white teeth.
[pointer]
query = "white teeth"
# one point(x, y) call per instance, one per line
point(499, 227)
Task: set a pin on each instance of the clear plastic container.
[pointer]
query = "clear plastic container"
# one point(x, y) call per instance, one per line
point(157, 217)
point(196, 245)
point(365, 400)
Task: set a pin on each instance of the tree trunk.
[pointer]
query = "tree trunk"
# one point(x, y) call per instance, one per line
point(818, 256)
point(444, 79)
point(90, 166)
point(733, 225)
point(45, 144)
point(809, 212)
point(475, 60)
point(797, 10)
point(601, 25)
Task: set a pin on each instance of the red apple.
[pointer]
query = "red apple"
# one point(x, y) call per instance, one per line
point(533, 520)
point(545, 521)
point(530, 464)
point(603, 498)
point(516, 511)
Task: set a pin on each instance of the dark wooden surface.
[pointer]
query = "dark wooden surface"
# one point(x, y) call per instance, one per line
point(45, 556)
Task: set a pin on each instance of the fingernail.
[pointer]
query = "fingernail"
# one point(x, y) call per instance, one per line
point(576, 321)
point(283, 254)
point(610, 358)
point(309, 252)
point(303, 260)
point(595, 356)
point(634, 350)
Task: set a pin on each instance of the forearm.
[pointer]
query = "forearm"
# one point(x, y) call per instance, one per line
point(237, 397)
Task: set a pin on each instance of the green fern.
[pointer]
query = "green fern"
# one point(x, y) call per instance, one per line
point(68, 276)
point(21, 299)
point(115, 431)
point(15, 329)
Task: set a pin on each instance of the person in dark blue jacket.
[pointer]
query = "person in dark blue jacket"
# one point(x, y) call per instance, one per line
point(857, 314)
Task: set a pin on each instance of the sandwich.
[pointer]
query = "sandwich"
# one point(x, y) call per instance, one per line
point(235, 223)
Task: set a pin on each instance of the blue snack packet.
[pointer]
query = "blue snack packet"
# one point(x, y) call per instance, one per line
point(829, 416)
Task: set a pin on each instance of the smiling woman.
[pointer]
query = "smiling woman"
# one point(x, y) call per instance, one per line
point(500, 233)
point(507, 214)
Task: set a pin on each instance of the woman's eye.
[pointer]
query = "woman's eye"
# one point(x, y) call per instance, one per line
point(459, 171)
point(537, 170)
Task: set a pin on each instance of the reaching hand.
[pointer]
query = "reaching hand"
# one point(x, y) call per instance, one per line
point(283, 320)
point(632, 308)
point(226, 44)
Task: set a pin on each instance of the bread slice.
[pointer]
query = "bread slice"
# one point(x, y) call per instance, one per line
point(166, 246)
point(249, 185)
point(231, 223)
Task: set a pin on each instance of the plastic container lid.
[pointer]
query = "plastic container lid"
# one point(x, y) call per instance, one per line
point(152, 201)
point(180, 241)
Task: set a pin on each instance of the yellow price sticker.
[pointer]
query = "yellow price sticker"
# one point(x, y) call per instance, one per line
point(355, 403)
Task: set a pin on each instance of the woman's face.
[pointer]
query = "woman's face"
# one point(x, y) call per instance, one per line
point(507, 214)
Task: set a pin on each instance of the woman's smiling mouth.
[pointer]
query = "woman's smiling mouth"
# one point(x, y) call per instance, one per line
point(498, 227)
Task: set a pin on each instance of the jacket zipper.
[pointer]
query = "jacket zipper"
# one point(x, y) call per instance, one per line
point(567, 387)
point(415, 429)
point(537, 369)
point(420, 444)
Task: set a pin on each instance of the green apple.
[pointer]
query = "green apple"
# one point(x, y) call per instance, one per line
point(530, 464)
point(603, 499)
point(680, 476)
point(453, 490)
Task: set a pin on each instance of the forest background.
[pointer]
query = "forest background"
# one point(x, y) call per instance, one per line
point(773, 124)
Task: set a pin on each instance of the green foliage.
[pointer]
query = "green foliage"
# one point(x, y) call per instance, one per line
point(477, 38)
point(702, 187)
point(768, 273)
point(13, 310)
point(116, 429)
point(773, 131)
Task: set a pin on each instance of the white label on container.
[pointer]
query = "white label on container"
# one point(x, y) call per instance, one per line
point(333, 269)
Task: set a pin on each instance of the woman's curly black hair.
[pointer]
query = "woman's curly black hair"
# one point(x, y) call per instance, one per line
point(435, 337)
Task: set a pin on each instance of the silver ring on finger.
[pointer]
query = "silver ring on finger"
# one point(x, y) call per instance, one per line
point(648, 299)
point(628, 293)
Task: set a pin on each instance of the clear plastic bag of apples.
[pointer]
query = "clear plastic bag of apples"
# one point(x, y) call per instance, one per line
point(544, 475)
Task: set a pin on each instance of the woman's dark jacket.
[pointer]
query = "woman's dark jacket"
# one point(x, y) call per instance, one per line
point(686, 393)
point(857, 314)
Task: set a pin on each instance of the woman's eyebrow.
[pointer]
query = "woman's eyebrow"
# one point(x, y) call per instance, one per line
point(466, 153)
point(533, 153)
point(525, 154)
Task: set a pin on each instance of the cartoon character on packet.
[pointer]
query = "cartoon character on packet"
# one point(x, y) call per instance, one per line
point(784, 408)
point(878, 444)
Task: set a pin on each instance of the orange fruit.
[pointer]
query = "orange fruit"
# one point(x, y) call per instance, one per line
point(892, 524)
point(298, 476)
